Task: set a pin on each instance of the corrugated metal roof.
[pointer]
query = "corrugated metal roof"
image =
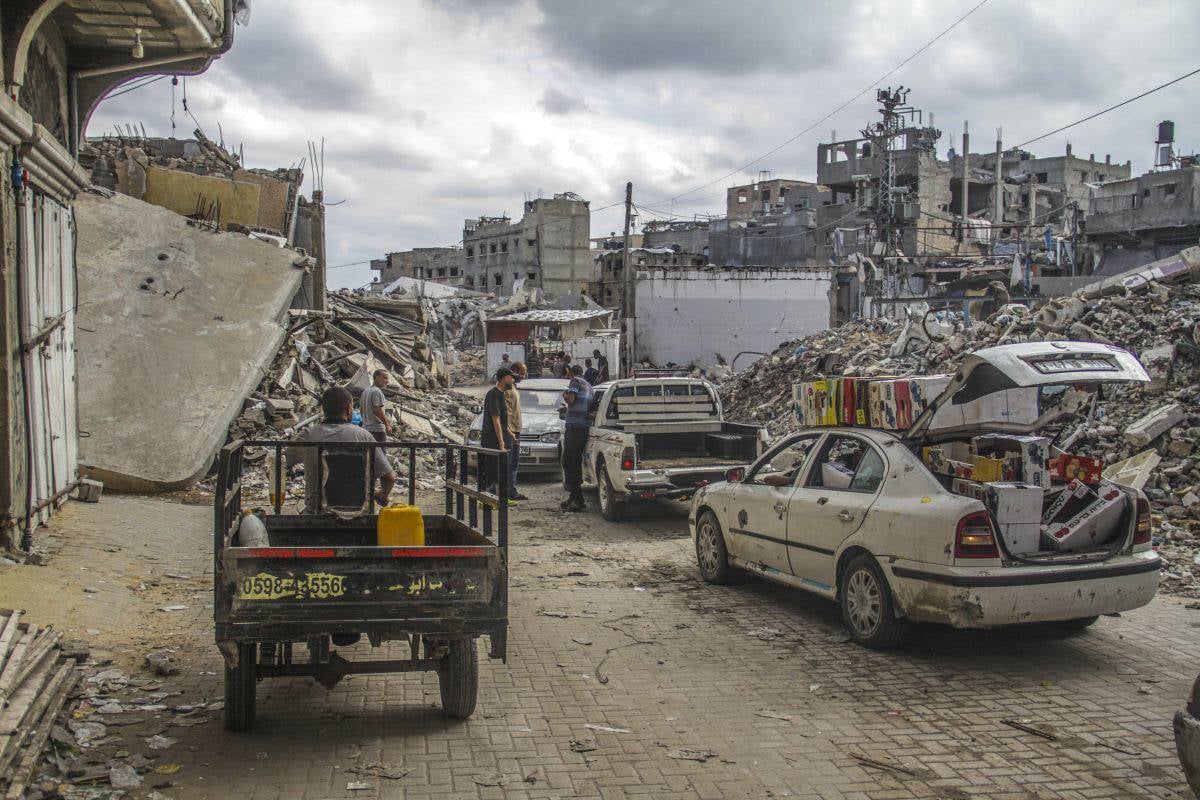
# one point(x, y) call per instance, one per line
point(554, 315)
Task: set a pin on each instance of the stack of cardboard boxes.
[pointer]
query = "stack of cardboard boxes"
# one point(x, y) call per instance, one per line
point(891, 404)
point(1015, 478)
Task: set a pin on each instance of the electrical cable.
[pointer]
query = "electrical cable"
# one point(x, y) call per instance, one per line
point(131, 88)
point(863, 91)
point(1110, 108)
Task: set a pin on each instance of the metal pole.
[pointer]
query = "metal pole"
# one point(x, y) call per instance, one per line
point(965, 190)
point(627, 284)
point(998, 198)
point(1029, 231)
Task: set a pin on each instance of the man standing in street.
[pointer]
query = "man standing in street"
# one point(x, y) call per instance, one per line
point(578, 396)
point(371, 406)
point(590, 374)
point(601, 367)
point(512, 399)
point(495, 434)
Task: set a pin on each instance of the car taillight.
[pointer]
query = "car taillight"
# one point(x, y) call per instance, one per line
point(627, 459)
point(1144, 529)
point(975, 538)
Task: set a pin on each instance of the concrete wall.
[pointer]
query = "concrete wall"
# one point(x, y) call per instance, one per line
point(689, 314)
point(784, 240)
point(179, 191)
point(690, 237)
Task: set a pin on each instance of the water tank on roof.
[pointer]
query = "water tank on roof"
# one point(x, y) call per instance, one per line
point(1166, 131)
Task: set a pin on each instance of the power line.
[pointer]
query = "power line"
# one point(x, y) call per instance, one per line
point(1110, 108)
point(864, 90)
point(129, 89)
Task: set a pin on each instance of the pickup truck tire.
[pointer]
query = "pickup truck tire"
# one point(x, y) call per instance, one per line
point(610, 508)
point(867, 606)
point(458, 678)
point(241, 685)
point(712, 556)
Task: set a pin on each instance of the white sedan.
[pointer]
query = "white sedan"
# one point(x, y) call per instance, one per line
point(854, 515)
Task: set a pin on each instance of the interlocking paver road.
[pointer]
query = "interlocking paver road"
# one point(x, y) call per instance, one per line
point(759, 677)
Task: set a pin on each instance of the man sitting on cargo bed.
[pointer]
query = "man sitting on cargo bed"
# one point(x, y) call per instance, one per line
point(338, 407)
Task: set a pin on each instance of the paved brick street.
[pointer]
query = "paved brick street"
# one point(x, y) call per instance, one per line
point(759, 676)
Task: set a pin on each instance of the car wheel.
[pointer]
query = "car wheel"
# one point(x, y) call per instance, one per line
point(610, 508)
point(867, 606)
point(711, 555)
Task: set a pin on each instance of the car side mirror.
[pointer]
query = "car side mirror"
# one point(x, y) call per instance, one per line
point(777, 480)
point(735, 475)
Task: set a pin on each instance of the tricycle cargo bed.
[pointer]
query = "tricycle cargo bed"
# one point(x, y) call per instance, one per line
point(314, 574)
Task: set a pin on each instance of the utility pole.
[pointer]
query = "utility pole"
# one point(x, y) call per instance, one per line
point(1029, 232)
point(627, 285)
point(998, 197)
point(965, 190)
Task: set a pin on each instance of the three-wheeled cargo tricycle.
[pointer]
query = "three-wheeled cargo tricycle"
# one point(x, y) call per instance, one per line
point(322, 579)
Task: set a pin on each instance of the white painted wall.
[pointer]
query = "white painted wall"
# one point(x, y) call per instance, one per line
point(689, 314)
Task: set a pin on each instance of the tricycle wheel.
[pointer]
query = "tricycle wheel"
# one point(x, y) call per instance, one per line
point(458, 677)
point(241, 683)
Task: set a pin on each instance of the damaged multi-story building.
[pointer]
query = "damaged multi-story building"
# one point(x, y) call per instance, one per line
point(548, 248)
point(1134, 221)
point(58, 60)
point(440, 264)
point(203, 181)
point(611, 264)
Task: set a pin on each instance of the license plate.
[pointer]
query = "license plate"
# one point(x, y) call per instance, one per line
point(524, 451)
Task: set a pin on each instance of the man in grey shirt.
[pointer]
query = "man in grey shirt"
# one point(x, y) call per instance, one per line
point(371, 406)
point(338, 406)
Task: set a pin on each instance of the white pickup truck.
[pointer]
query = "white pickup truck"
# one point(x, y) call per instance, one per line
point(661, 437)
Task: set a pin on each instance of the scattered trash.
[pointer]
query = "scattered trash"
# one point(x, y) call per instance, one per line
point(871, 762)
point(606, 729)
point(123, 776)
point(556, 614)
point(769, 714)
point(495, 779)
point(581, 640)
point(173, 608)
point(359, 786)
point(688, 753)
point(1022, 726)
point(160, 663)
point(765, 633)
point(167, 769)
point(584, 744)
point(814, 688)
point(378, 769)
point(158, 742)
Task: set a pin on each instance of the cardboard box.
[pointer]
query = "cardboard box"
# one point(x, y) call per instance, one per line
point(814, 404)
point(1091, 527)
point(1067, 467)
point(1017, 509)
point(881, 402)
point(956, 460)
point(1072, 499)
point(968, 488)
point(1033, 452)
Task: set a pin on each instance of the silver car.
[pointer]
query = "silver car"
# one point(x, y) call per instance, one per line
point(541, 428)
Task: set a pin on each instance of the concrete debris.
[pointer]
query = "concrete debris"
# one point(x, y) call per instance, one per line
point(1161, 419)
point(182, 319)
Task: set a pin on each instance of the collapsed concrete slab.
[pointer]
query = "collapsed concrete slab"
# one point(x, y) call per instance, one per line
point(176, 326)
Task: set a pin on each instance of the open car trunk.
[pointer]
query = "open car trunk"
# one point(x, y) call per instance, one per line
point(980, 438)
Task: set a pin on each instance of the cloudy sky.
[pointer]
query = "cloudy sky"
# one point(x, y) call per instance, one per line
point(434, 112)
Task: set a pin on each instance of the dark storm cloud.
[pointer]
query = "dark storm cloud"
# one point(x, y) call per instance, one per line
point(555, 101)
point(281, 60)
point(713, 36)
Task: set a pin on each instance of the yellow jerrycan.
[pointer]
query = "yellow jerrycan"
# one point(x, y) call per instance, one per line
point(400, 525)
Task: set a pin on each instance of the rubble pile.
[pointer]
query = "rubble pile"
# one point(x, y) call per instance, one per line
point(37, 676)
point(343, 347)
point(1157, 321)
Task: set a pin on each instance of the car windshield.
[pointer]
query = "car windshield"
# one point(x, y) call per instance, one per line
point(540, 399)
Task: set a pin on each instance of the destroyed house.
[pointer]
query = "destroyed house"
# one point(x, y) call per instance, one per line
point(58, 60)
